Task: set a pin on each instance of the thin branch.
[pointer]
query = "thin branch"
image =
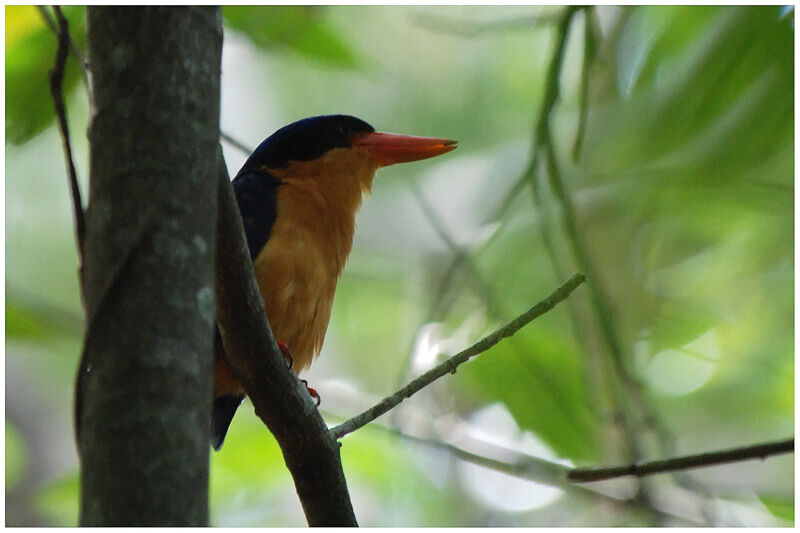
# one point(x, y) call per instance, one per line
point(544, 147)
point(56, 86)
point(536, 469)
point(246, 150)
point(758, 451)
point(589, 52)
point(544, 142)
point(597, 298)
point(450, 365)
point(540, 470)
point(542, 129)
point(554, 75)
point(533, 176)
point(73, 48)
point(461, 254)
point(508, 201)
point(526, 467)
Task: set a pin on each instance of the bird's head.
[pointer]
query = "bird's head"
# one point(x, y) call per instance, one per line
point(337, 148)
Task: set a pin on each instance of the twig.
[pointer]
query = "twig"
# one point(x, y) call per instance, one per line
point(544, 142)
point(246, 150)
point(533, 176)
point(544, 148)
point(56, 85)
point(534, 469)
point(461, 254)
point(542, 128)
point(758, 451)
point(73, 48)
point(525, 466)
point(598, 299)
point(553, 76)
point(589, 52)
point(449, 366)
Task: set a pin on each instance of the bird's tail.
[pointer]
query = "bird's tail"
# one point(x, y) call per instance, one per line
point(224, 408)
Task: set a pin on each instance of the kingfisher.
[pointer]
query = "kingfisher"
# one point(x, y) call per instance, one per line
point(298, 194)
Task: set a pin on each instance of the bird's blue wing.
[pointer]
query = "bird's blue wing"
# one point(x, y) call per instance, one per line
point(257, 197)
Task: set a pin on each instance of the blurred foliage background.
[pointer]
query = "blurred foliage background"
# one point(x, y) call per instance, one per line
point(678, 202)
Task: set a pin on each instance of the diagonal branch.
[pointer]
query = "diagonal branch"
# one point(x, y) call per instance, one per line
point(758, 451)
point(450, 365)
point(239, 145)
point(461, 255)
point(56, 86)
point(280, 400)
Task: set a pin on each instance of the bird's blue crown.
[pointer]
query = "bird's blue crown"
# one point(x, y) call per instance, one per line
point(305, 140)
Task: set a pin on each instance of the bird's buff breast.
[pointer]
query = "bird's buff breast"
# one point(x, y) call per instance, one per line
point(308, 245)
point(297, 273)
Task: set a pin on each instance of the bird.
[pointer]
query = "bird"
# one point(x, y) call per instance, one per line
point(298, 194)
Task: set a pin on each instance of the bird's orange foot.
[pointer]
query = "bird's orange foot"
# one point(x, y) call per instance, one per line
point(313, 392)
point(287, 353)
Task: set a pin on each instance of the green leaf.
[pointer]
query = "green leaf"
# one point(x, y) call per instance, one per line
point(535, 375)
point(30, 55)
point(303, 29)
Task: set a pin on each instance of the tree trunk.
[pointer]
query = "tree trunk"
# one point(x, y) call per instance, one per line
point(144, 387)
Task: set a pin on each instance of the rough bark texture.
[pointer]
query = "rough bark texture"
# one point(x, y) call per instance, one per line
point(144, 386)
point(281, 401)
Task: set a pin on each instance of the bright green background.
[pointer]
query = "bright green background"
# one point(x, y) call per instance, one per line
point(683, 195)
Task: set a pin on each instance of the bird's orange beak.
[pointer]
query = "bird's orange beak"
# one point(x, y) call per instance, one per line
point(390, 148)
